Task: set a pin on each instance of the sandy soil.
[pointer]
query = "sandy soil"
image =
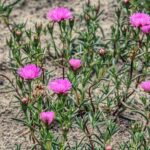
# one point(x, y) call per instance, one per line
point(11, 132)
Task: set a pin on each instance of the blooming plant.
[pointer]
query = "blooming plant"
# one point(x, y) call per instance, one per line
point(94, 85)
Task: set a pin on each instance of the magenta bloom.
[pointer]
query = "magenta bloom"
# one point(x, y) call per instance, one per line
point(59, 13)
point(146, 29)
point(145, 86)
point(75, 63)
point(30, 71)
point(60, 86)
point(47, 117)
point(139, 19)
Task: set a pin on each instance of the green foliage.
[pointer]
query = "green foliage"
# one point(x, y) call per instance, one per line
point(104, 88)
point(5, 9)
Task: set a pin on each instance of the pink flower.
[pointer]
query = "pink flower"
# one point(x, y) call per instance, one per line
point(47, 117)
point(146, 29)
point(139, 19)
point(30, 71)
point(109, 147)
point(75, 63)
point(145, 86)
point(60, 86)
point(59, 13)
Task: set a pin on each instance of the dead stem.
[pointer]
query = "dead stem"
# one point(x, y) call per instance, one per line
point(116, 112)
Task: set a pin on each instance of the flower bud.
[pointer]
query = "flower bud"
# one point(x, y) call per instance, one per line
point(86, 17)
point(50, 27)
point(102, 52)
point(126, 1)
point(71, 23)
point(18, 33)
point(109, 147)
point(25, 100)
point(36, 41)
point(38, 25)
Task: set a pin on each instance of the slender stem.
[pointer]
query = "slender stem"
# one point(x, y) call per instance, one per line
point(140, 41)
point(114, 46)
point(35, 139)
point(90, 97)
point(137, 82)
point(89, 137)
point(63, 53)
point(54, 44)
point(43, 78)
point(146, 125)
point(63, 68)
point(88, 134)
point(78, 99)
point(17, 91)
point(120, 104)
point(131, 69)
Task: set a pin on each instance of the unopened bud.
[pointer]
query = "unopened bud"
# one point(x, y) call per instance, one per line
point(102, 52)
point(18, 33)
point(109, 147)
point(71, 23)
point(38, 25)
point(126, 1)
point(50, 27)
point(36, 41)
point(87, 17)
point(25, 100)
